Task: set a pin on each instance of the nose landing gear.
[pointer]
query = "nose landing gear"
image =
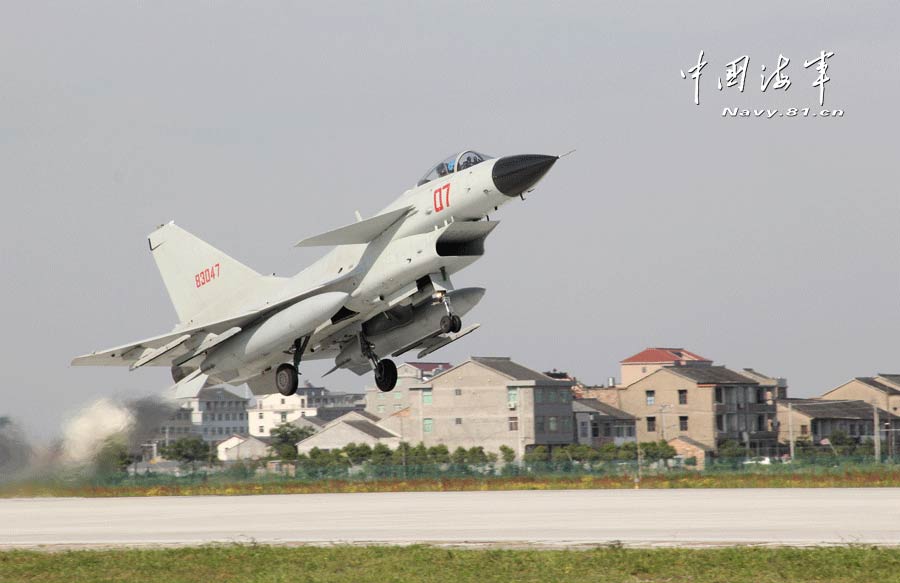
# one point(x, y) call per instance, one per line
point(451, 322)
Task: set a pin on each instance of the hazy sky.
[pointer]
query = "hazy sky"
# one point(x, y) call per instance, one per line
point(769, 243)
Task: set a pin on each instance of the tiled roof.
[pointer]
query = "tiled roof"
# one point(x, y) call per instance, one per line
point(505, 366)
point(889, 377)
point(875, 384)
point(369, 428)
point(662, 355)
point(711, 375)
point(429, 367)
point(595, 405)
point(828, 409)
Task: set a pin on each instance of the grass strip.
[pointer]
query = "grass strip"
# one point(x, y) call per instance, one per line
point(422, 563)
point(839, 479)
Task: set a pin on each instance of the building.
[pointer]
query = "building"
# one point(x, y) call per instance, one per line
point(488, 402)
point(687, 449)
point(213, 414)
point(242, 447)
point(273, 410)
point(818, 419)
point(408, 374)
point(597, 423)
point(775, 387)
point(882, 390)
point(709, 404)
point(355, 427)
point(649, 360)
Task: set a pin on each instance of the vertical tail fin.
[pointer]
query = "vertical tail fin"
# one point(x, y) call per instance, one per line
point(196, 274)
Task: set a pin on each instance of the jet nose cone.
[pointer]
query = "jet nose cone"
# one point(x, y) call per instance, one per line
point(513, 175)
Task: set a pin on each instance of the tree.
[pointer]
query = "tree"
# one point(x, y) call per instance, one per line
point(508, 454)
point(537, 454)
point(357, 454)
point(731, 449)
point(113, 457)
point(439, 454)
point(458, 456)
point(188, 450)
point(381, 455)
point(285, 438)
point(476, 456)
point(401, 454)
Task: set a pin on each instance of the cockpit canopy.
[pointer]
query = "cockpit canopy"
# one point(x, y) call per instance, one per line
point(452, 164)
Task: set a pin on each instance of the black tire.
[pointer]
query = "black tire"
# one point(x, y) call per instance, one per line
point(446, 324)
point(386, 375)
point(456, 323)
point(286, 379)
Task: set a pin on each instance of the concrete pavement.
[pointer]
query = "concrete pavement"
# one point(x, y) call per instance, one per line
point(571, 518)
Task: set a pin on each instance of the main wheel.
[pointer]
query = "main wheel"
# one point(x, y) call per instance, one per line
point(286, 380)
point(446, 324)
point(456, 323)
point(386, 375)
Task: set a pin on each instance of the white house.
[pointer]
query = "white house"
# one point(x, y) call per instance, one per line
point(241, 447)
point(270, 411)
point(354, 427)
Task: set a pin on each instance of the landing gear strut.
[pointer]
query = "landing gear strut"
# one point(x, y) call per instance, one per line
point(385, 369)
point(451, 322)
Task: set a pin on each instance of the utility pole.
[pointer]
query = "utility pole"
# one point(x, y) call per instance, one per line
point(876, 429)
point(791, 428)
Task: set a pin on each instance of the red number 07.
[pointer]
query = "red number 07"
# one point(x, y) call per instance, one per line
point(441, 198)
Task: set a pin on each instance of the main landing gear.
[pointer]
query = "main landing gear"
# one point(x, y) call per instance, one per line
point(385, 369)
point(287, 376)
point(451, 322)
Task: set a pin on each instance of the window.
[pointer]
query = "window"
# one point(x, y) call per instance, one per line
point(426, 397)
point(620, 431)
point(552, 395)
point(262, 429)
point(761, 395)
point(629, 431)
point(760, 422)
point(398, 395)
point(552, 424)
point(643, 369)
point(381, 396)
point(539, 395)
point(683, 423)
point(651, 423)
point(583, 429)
point(282, 401)
point(682, 396)
point(539, 424)
point(564, 395)
point(566, 424)
point(381, 408)
point(457, 392)
point(427, 424)
point(512, 395)
point(595, 426)
point(720, 423)
point(651, 397)
point(719, 395)
point(458, 421)
point(513, 423)
point(607, 430)
point(284, 417)
point(804, 430)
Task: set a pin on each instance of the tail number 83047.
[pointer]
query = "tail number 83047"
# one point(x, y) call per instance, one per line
point(207, 275)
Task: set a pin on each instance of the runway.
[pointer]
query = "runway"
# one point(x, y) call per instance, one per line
point(547, 519)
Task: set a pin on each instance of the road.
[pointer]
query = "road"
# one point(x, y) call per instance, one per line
point(572, 518)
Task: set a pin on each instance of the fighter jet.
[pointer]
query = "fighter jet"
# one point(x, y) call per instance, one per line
point(384, 289)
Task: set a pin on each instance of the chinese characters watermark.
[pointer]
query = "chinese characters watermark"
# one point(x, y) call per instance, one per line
point(736, 74)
